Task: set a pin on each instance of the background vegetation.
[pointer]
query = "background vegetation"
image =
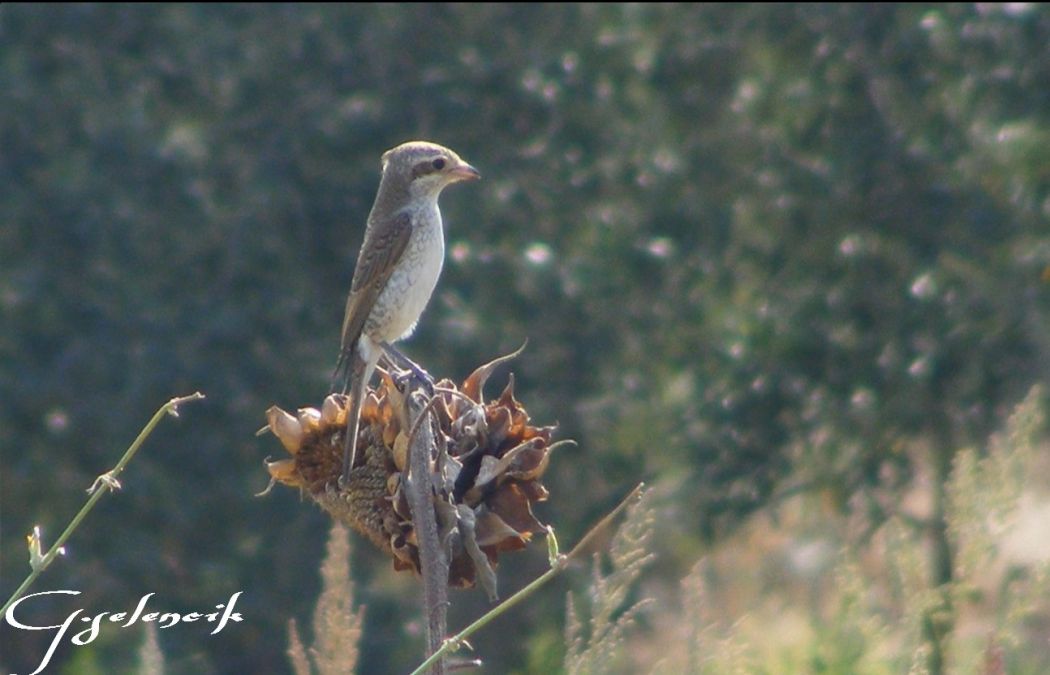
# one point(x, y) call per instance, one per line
point(788, 264)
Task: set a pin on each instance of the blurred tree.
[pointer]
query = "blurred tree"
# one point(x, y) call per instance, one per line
point(756, 249)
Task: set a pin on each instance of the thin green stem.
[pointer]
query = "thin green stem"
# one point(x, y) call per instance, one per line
point(107, 482)
point(454, 642)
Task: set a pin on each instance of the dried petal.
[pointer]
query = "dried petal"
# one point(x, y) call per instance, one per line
point(390, 434)
point(309, 419)
point(482, 566)
point(492, 530)
point(507, 397)
point(534, 492)
point(370, 407)
point(400, 451)
point(286, 428)
point(393, 482)
point(493, 469)
point(530, 460)
point(333, 410)
point(399, 503)
point(396, 399)
point(499, 423)
point(512, 505)
point(284, 471)
point(475, 382)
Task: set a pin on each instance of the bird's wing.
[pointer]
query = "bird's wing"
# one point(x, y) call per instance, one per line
point(383, 247)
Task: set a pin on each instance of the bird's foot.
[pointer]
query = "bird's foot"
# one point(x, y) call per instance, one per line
point(412, 378)
point(409, 369)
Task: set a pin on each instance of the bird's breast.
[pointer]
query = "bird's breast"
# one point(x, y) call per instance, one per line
point(412, 282)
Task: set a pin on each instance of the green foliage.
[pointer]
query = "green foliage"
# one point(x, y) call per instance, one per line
point(757, 250)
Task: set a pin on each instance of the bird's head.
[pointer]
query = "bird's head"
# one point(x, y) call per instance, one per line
point(425, 168)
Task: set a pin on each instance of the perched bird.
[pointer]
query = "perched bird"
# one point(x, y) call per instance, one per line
point(397, 267)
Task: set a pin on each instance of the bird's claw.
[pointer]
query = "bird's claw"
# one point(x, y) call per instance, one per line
point(414, 375)
point(408, 370)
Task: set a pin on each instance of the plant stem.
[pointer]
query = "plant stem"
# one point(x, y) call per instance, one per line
point(106, 482)
point(561, 563)
point(432, 559)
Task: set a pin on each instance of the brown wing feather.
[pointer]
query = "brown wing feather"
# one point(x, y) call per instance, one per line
point(383, 247)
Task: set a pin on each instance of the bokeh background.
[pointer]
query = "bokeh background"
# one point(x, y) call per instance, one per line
point(783, 263)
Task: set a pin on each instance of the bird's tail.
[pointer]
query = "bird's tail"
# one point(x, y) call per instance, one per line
point(358, 372)
point(343, 373)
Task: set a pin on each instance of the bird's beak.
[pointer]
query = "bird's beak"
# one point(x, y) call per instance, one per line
point(465, 172)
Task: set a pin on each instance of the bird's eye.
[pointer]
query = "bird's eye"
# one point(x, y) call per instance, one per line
point(438, 163)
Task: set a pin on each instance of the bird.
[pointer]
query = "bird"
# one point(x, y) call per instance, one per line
point(397, 267)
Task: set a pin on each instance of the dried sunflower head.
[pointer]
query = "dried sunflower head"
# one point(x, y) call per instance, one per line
point(489, 463)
